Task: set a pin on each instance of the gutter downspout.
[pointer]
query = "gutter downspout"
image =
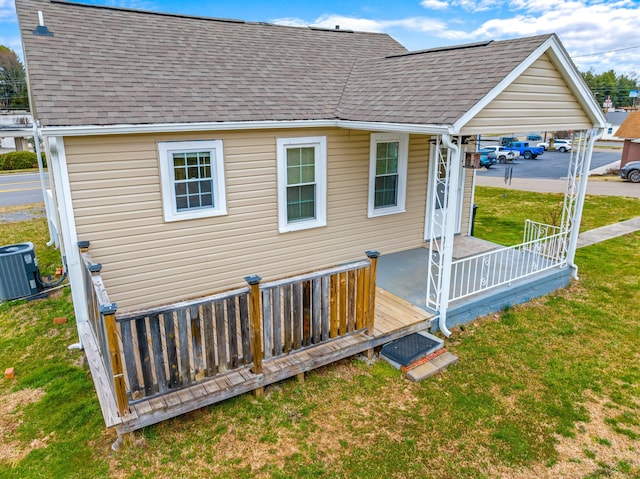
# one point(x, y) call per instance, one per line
point(577, 217)
point(449, 231)
point(43, 183)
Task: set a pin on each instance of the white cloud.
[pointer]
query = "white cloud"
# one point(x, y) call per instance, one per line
point(466, 5)
point(7, 10)
point(584, 26)
point(416, 24)
point(435, 4)
point(583, 29)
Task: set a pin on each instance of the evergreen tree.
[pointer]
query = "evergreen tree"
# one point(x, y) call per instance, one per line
point(611, 85)
point(13, 85)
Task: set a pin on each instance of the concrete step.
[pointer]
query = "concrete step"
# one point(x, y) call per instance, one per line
point(432, 367)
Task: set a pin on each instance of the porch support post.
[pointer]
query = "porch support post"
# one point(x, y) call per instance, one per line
point(255, 322)
point(455, 163)
point(576, 216)
point(108, 313)
point(373, 258)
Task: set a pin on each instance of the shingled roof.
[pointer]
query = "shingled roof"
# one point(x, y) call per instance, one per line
point(435, 86)
point(630, 127)
point(109, 66)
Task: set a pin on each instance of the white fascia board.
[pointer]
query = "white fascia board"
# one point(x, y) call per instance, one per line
point(90, 130)
point(395, 127)
point(87, 130)
point(567, 69)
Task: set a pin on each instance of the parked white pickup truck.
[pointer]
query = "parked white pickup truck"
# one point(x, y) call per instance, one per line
point(502, 154)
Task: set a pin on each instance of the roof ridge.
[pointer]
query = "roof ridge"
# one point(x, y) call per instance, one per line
point(202, 17)
point(443, 49)
point(140, 10)
point(470, 45)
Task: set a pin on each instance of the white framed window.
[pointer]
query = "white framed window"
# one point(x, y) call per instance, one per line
point(192, 178)
point(302, 183)
point(389, 154)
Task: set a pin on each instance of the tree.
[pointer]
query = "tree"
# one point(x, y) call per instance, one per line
point(611, 85)
point(13, 85)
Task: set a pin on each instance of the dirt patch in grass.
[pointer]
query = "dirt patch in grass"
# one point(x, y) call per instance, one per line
point(11, 405)
point(346, 417)
point(596, 450)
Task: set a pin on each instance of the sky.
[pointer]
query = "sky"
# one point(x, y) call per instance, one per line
point(600, 35)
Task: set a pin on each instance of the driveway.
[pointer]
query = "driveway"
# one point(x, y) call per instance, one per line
point(551, 165)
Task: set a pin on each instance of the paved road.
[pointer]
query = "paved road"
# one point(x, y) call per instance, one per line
point(551, 165)
point(20, 189)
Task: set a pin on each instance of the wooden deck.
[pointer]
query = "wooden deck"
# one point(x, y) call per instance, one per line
point(394, 318)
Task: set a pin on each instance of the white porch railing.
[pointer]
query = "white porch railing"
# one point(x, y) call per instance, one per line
point(534, 230)
point(543, 248)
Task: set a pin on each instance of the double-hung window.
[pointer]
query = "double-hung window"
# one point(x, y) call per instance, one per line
point(192, 174)
point(302, 188)
point(387, 173)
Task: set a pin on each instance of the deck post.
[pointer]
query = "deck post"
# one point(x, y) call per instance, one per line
point(373, 258)
point(108, 313)
point(255, 322)
point(84, 246)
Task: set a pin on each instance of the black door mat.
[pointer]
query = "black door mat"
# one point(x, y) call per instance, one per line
point(405, 350)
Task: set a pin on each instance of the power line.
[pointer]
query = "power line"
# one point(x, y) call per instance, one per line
point(609, 51)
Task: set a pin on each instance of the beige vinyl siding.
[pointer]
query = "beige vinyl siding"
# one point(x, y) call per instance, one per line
point(117, 204)
point(465, 228)
point(538, 100)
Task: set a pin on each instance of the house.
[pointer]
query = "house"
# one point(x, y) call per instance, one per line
point(14, 129)
point(630, 131)
point(217, 183)
point(615, 119)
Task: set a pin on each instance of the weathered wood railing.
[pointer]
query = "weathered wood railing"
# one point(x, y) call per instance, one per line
point(172, 347)
point(103, 325)
point(168, 348)
point(309, 309)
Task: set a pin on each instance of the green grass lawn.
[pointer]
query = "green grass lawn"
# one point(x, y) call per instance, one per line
point(547, 389)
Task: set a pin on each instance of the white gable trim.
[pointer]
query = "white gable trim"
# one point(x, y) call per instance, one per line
point(568, 71)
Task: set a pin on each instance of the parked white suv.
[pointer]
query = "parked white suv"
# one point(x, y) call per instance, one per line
point(502, 154)
point(559, 144)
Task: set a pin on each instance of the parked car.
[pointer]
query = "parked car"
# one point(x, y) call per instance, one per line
point(487, 157)
point(559, 144)
point(631, 172)
point(523, 148)
point(502, 154)
point(507, 140)
point(534, 137)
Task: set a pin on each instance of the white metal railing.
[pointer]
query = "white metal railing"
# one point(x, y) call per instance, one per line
point(534, 230)
point(544, 248)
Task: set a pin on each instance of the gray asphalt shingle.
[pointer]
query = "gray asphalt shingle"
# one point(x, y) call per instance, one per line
point(112, 66)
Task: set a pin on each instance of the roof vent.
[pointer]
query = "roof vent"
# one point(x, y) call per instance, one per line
point(42, 29)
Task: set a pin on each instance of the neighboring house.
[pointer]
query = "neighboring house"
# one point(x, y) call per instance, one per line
point(15, 128)
point(630, 131)
point(615, 119)
point(194, 152)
